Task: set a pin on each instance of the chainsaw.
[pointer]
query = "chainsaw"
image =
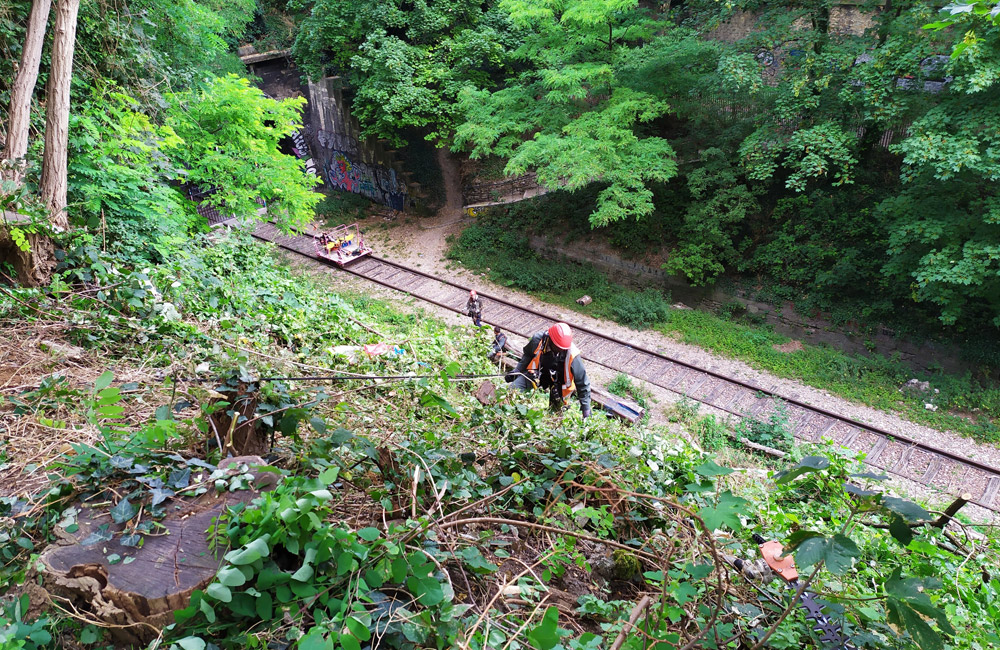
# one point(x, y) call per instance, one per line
point(773, 562)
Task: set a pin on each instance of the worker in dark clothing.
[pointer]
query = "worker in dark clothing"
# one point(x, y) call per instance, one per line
point(474, 308)
point(551, 361)
point(499, 344)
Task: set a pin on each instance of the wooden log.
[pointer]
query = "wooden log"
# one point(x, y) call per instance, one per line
point(141, 594)
point(951, 511)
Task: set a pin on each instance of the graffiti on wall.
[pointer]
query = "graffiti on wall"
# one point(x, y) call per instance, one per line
point(373, 181)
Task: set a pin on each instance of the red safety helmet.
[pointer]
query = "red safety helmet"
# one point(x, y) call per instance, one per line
point(561, 336)
point(473, 294)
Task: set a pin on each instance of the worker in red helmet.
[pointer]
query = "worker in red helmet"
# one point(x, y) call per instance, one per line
point(551, 361)
point(474, 308)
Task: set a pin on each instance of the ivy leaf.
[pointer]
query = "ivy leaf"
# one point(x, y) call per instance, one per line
point(131, 541)
point(807, 465)
point(726, 512)
point(159, 495)
point(179, 478)
point(98, 536)
point(427, 591)
point(546, 635)
point(123, 511)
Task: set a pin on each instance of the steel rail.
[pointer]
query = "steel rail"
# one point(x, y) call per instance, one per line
point(838, 418)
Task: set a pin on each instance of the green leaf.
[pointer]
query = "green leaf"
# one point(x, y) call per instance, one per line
point(89, 635)
point(726, 512)
point(264, 606)
point(428, 591)
point(908, 510)
point(545, 635)
point(191, 643)
point(318, 424)
point(900, 531)
point(104, 380)
point(710, 469)
point(369, 534)
point(474, 559)
point(231, 577)
point(315, 640)
point(799, 536)
point(806, 465)
point(329, 475)
point(123, 511)
point(207, 609)
point(357, 628)
point(219, 592)
point(250, 553)
point(837, 551)
point(348, 642)
point(340, 436)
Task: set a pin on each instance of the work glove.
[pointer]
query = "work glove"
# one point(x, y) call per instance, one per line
point(586, 411)
point(509, 377)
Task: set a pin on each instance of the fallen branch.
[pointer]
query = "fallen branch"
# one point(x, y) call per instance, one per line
point(636, 613)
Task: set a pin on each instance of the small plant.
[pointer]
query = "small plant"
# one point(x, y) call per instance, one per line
point(772, 432)
point(684, 410)
point(711, 433)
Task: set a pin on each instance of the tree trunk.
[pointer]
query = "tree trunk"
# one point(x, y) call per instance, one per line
point(24, 87)
point(53, 189)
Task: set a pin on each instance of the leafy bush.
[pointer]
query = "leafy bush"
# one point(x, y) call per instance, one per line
point(639, 310)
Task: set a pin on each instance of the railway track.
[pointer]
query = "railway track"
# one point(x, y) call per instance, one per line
point(895, 454)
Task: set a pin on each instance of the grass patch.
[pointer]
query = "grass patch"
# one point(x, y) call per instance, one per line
point(338, 208)
point(874, 380)
point(498, 245)
point(495, 244)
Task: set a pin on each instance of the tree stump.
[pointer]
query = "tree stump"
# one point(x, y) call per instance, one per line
point(486, 393)
point(32, 268)
point(141, 596)
point(233, 426)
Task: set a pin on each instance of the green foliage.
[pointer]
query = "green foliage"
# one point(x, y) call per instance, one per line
point(406, 66)
point(120, 166)
point(772, 432)
point(494, 242)
point(586, 97)
point(232, 131)
point(721, 204)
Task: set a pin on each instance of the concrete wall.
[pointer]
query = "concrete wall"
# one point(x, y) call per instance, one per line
point(352, 163)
